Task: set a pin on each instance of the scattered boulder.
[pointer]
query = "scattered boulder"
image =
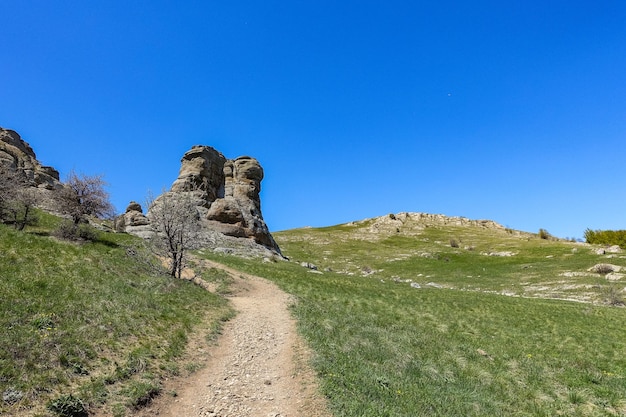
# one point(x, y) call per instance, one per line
point(609, 249)
point(605, 268)
point(614, 249)
point(614, 276)
point(500, 254)
point(309, 266)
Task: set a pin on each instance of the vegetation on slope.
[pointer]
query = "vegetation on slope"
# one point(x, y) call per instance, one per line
point(407, 324)
point(90, 326)
point(606, 237)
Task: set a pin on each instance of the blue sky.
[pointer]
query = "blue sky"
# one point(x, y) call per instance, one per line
point(510, 111)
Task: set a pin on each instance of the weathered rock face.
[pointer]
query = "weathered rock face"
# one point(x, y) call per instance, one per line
point(226, 192)
point(17, 155)
point(132, 217)
point(238, 211)
point(202, 169)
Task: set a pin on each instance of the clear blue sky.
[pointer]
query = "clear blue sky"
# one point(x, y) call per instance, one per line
point(510, 111)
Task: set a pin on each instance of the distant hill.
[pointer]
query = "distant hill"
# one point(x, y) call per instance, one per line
point(456, 253)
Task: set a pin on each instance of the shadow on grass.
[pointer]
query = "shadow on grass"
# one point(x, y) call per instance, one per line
point(40, 233)
point(107, 243)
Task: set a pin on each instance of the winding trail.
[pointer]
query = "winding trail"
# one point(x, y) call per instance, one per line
point(259, 366)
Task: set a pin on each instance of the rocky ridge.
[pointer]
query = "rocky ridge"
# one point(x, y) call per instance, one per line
point(413, 223)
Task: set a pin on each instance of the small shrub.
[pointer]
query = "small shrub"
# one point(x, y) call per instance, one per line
point(68, 230)
point(71, 362)
point(142, 393)
point(44, 321)
point(543, 234)
point(68, 406)
point(86, 232)
point(613, 296)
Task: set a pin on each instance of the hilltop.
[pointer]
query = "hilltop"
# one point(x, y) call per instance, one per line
point(458, 253)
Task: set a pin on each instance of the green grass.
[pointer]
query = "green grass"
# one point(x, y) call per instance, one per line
point(91, 324)
point(538, 267)
point(90, 321)
point(383, 348)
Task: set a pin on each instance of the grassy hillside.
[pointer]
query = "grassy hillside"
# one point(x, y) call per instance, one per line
point(90, 324)
point(427, 318)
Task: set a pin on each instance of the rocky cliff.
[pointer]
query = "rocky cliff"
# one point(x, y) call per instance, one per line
point(17, 155)
point(18, 160)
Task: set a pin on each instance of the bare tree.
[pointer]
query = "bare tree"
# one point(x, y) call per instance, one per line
point(17, 198)
point(175, 221)
point(22, 208)
point(84, 195)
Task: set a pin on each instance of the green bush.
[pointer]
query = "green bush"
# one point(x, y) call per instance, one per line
point(68, 406)
point(606, 237)
point(68, 230)
point(543, 234)
point(141, 393)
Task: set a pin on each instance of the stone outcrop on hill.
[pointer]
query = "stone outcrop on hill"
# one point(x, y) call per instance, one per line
point(411, 224)
point(18, 160)
point(18, 156)
point(132, 217)
point(226, 194)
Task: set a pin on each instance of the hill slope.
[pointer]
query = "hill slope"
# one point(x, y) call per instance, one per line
point(458, 253)
point(415, 315)
point(90, 323)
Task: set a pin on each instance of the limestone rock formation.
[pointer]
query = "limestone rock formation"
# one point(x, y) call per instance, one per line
point(134, 221)
point(132, 217)
point(19, 159)
point(17, 155)
point(412, 224)
point(226, 193)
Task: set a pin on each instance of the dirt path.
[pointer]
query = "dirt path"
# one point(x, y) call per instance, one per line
point(258, 368)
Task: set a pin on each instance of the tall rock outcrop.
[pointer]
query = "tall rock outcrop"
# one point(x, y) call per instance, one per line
point(18, 156)
point(226, 193)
